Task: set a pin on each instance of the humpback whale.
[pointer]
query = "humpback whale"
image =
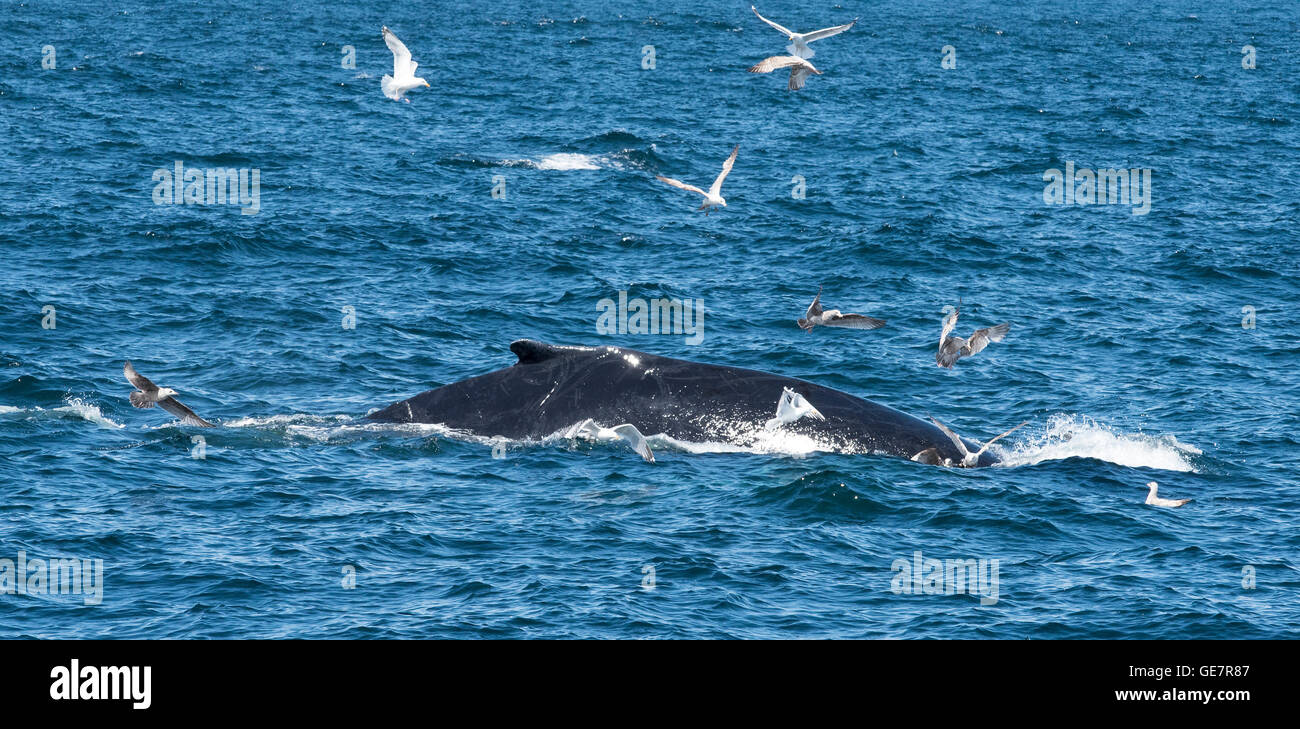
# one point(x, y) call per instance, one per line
point(552, 387)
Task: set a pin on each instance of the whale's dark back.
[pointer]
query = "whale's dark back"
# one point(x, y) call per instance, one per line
point(552, 387)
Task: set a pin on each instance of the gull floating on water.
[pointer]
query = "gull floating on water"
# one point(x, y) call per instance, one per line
point(952, 349)
point(790, 408)
point(833, 318)
point(1153, 500)
point(799, 69)
point(150, 394)
point(713, 197)
point(799, 41)
point(403, 78)
point(968, 459)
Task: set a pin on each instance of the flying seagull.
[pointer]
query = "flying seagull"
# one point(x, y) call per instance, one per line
point(713, 197)
point(403, 78)
point(968, 459)
point(952, 349)
point(790, 408)
point(799, 69)
point(1153, 500)
point(833, 318)
point(149, 394)
point(799, 41)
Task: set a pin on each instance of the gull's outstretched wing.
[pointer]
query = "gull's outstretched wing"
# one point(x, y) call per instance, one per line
point(981, 338)
point(990, 442)
point(953, 436)
point(779, 28)
point(949, 324)
point(798, 76)
point(827, 32)
point(187, 416)
point(726, 170)
point(680, 184)
point(403, 66)
point(138, 380)
point(855, 321)
point(804, 407)
point(770, 64)
point(629, 433)
point(815, 309)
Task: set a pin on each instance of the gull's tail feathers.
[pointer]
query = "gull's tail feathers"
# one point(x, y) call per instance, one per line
point(390, 87)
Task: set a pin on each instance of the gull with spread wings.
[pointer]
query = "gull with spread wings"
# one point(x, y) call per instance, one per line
point(968, 460)
point(800, 69)
point(403, 78)
point(149, 394)
point(799, 41)
point(952, 349)
point(833, 318)
point(713, 197)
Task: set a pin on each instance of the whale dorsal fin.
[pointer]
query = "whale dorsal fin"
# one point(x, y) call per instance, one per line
point(531, 351)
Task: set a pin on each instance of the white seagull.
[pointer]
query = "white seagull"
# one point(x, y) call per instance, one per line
point(968, 459)
point(1153, 500)
point(626, 431)
point(403, 78)
point(833, 318)
point(713, 197)
point(952, 349)
point(799, 41)
point(790, 408)
point(150, 394)
point(799, 69)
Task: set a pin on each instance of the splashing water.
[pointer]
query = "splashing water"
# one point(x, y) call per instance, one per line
point(1079, 436)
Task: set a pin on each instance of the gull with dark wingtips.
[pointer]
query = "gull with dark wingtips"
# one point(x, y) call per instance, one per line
point(952, 349)
point(833, 318)
point(800, 69)
point(149, 394)
point(968, 459)
point(1153, 500)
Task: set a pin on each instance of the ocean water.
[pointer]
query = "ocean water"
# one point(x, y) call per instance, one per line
point(1132, 351)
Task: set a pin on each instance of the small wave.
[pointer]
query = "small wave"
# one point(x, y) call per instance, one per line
point(1078, 436)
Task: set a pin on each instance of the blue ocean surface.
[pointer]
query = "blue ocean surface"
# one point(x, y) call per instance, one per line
point(376, 262)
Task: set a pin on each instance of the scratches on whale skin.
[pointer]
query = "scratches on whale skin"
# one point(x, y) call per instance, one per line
point(548, 395)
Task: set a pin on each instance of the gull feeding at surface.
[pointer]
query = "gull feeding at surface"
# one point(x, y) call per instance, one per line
point(799, 41)
point(833, 318)
point(403, 78)
point(968, 459)
point(714, 196)
point(1153, 500)
point(149, 394)
point(952, 349)
point(800, 69)
point(790, 408)
point(626, 431)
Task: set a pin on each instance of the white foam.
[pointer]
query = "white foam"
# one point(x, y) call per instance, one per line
point(1079, 436)
point(6, 409)
point(567, 161)
point(757, 439)
point(86, 411)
